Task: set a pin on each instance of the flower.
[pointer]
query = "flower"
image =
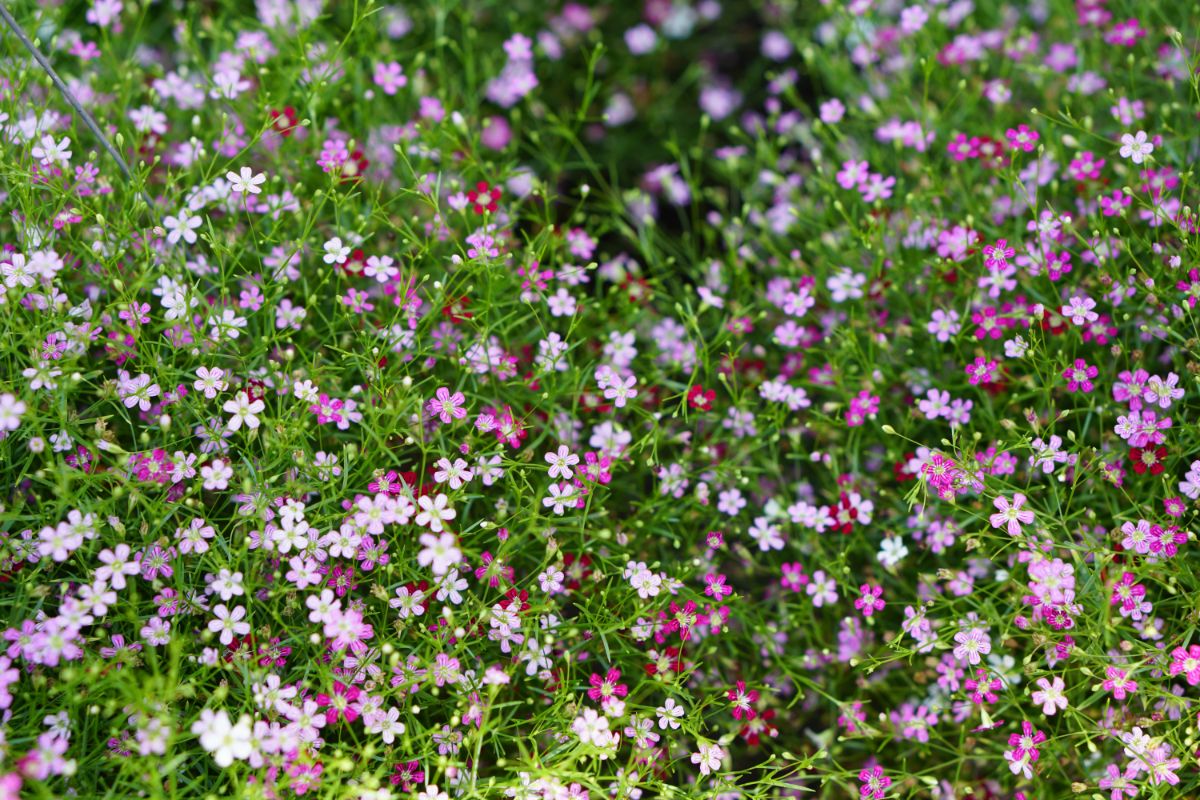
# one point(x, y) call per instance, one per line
point(607, 689)
point(709, 757)
point(1136, 147)
point(1022, 138)
point(591, 727)
point(1050, 695)
point(210, 381)
point(244, 411)
point(225, 740)
point(743, 701)
point(1024, 747)
point(246, 181)
point(434, 511)
point(446, 406)
point(228, 623)
point(1079, 376)
point(1010, 515)
point(1119, 783)
point(11, 410)
point(822, 589)
point(561, 462)
point(669, 714)
point(335, 252)
point(439, 553)
point(1186, 663)
point(869, 600)
point(874, 783)
point(971, 645)
point(1117, 682)
point(182, 226)
point(1148, 459)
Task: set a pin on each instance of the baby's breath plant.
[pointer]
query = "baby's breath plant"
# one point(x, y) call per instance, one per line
point(566, 401)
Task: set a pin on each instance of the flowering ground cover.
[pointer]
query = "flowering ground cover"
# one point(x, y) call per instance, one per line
point(715, 399)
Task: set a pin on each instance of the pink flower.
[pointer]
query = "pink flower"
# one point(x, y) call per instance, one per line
point(1050, 695)
point(1186, 662)
point(1010, 515)
point(448, 407)
point(1118, 683)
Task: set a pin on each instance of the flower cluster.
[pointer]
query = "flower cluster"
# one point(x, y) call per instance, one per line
point(679, 398)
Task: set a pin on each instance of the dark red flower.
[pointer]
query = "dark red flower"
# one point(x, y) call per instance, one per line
point(1147, 459)
point(284, 122)
point(700, 399)
point(483, 197)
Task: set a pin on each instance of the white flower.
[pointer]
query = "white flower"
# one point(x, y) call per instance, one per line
point(440, 553)
point(561, 303)
point(228, 623)
point(389, 725)
point(381, 268)
point(408, 602)
point(226, 741)
point(1079, 310)
point(210, 381)
point(561, 496)
point(227, 584)
point(620, 390)
point(11, 410)
point(306, 391)
point(1018, 766)
point(561, 462)
point(892, 551)
point(228, 84)
point(216, 475)
point(16, 271)
point(1015, 347)
point(591, 727)
point(138, 391)
point(182, 227)
point(551, 580)
point(51, 152)
point(243, 411)
point(668, 714)
point(246, 182)
point(335, 252)
point(1136, 147)
point(456, 474)
point(434, 512)
point(322, 607)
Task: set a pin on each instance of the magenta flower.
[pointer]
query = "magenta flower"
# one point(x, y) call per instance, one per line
point(1079, 376)
point(606, 689)
point(1187, 663)
point(1022, 138)
point(869, 602)
point(980, 371)
point(338, 703)
point(1118, 682)
point(874, 783)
